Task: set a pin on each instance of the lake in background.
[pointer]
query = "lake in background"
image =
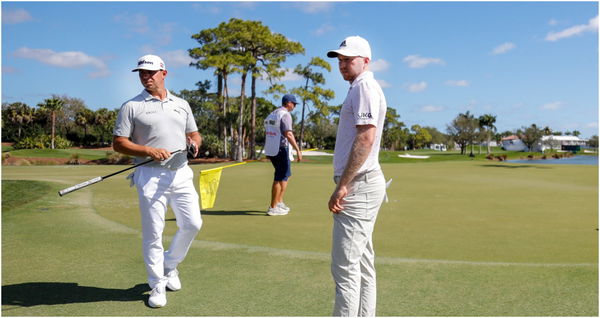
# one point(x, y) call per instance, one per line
point(577, 160)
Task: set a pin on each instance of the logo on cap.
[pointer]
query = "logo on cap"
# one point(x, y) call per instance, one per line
point(343, 43)
point(145, 62)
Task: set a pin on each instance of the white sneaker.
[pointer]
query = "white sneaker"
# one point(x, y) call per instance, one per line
point(276, 211)
point(173, 282)
point(283, 207)
point(158, 297)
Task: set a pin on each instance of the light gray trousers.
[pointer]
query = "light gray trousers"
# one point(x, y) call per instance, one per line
point(157, 189)
point(352, 253)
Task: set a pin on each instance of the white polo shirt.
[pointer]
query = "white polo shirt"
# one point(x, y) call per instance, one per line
point(364, 105)
point(149, 121)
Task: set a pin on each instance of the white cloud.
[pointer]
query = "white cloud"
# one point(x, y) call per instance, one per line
point(69, 59)
point(592, 26)
point(16, 16)
point(177, 58)
point(551, 106)
point(503, 48)
point(314, 7)
point(325, 28)
point(204, 7)
point(416, 61)
point(138, 22)
point(431, 109)
point(383, 83)
point(460, 83)
point(592, 125)
point(379, 65)
point(416, 87)
point(160, 33)
point(9, 69)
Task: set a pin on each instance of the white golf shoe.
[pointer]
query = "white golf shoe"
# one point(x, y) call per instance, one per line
point(276, 211)
point(173, 282)
point(158, 297)
point(283, 207)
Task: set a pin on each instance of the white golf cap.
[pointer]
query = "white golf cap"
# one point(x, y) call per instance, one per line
point(352, 46)
point(150, 62)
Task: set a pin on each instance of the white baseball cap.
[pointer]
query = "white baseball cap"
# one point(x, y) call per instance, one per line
point(352, 46)
point(150, 62)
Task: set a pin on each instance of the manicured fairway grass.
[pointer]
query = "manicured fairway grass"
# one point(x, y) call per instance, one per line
point(455, 239)
point(90, 154)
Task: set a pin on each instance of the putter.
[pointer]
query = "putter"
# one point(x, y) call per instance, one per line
point(98, 179)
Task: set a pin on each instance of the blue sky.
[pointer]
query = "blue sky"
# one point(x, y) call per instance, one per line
point(524, 62)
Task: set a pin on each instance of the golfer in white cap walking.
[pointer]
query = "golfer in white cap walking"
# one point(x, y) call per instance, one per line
point(360, 189)
point(154, 124)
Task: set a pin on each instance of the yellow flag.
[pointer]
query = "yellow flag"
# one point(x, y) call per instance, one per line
point(209, 184)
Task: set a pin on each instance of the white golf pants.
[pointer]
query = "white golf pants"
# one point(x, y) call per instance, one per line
point(158, 188)
point(352, 253)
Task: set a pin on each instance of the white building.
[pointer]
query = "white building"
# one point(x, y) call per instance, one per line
point(557, 143)
point(438, 147)
point(513, 143)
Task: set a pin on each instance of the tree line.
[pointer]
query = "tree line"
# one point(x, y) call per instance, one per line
point(231, 126)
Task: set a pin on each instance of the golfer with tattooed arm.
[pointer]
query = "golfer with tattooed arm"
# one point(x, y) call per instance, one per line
point(155, 124)
point(360, 184)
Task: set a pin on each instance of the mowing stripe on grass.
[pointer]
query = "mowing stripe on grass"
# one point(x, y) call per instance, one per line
point(379, 260)
point(84, 200)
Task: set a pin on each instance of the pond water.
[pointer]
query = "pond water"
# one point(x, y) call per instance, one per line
point(576, 160)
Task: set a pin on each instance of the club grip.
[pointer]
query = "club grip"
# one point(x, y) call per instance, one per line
point(79, 186)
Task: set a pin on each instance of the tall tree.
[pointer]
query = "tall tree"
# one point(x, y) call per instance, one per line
point(463, 130)
point(264, 51)
point(420, 137)
point(84, 118)
point(52, 105)
point(247, 47)
point(311, 91)
point(531, 136)
point(486, 122)
point(19, 114)
point(394, 135)
point(215, 52)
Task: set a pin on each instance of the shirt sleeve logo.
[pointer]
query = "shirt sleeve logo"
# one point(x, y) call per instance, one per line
point(364, 115)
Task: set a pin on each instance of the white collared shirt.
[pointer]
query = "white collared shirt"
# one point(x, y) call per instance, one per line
point(364, 105)
point(149, 121)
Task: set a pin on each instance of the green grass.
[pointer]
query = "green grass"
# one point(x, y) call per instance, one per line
point(16, 193)
point(6, 148)
point(90, 154)
point(458, 238)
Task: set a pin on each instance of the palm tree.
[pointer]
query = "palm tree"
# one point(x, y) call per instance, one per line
point(52, 105)
point(311, 91)
point(486, 122)
point(19, 114)
point(83, 118)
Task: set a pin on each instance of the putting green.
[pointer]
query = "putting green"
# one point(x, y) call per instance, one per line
point(456, 238)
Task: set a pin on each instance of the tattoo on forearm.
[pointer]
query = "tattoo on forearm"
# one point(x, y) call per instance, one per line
point(358, 156)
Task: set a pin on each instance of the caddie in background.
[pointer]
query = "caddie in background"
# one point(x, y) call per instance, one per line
point(278, 137)
point(155, 124)
point(360, 184)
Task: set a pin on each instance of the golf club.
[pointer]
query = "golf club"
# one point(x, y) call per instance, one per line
point(98, 179)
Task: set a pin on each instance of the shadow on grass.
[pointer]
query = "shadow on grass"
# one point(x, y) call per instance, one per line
point(48, 293)
point(222, 212)
point(227, 213)
point(515, 166)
